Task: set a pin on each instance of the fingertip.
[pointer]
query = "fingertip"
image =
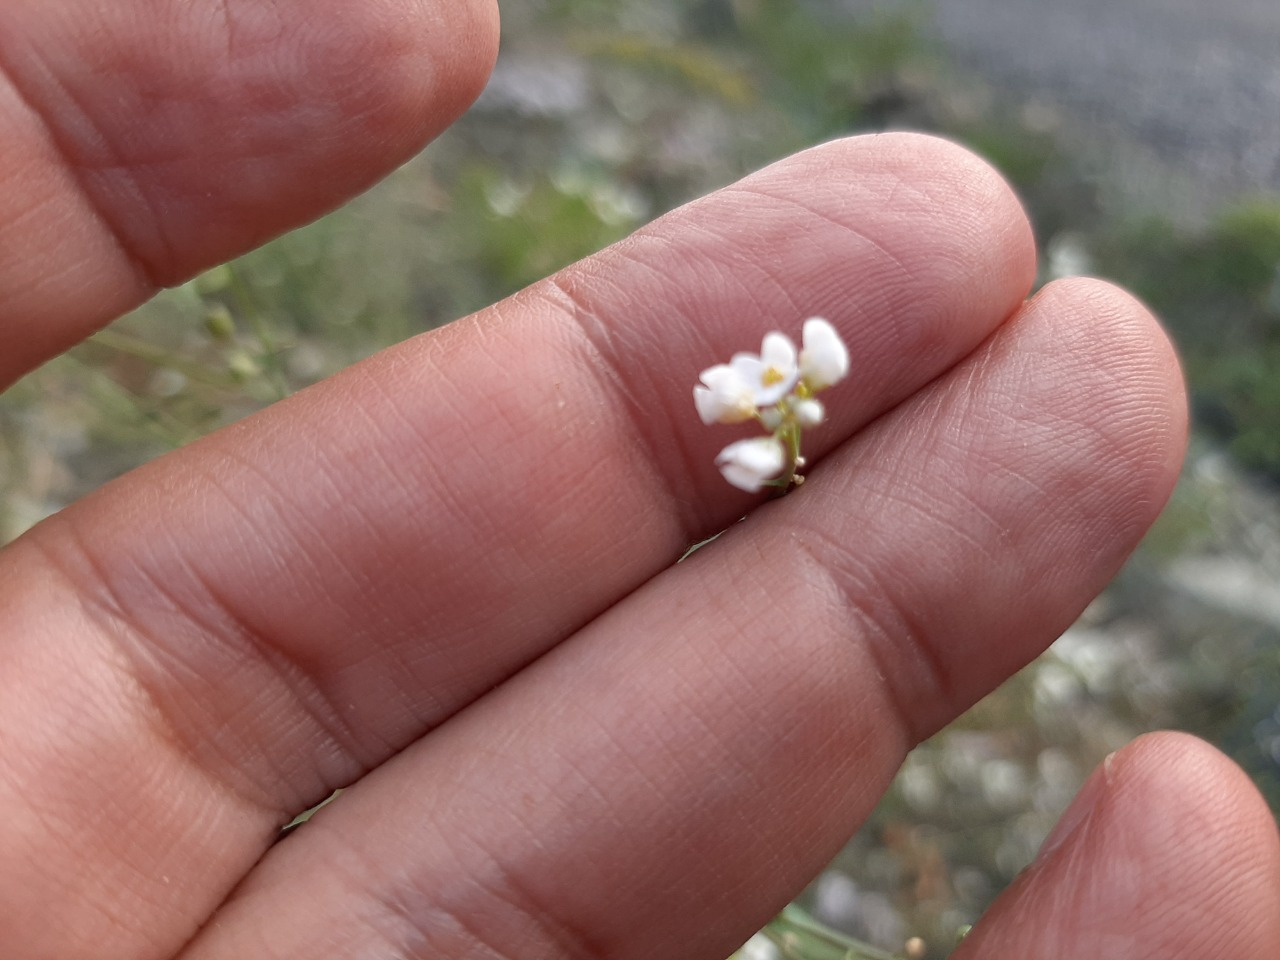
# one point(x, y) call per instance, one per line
point(1183, 821)
point(1186, 798)
point(1168, 851)
point(926, 178)
point(1136, 401)
point(1111, 320)
point(200, 130)
point(346, 94)
point(947, 170)
point(435, 81)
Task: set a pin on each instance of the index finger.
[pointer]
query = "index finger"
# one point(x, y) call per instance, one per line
point(144, 140)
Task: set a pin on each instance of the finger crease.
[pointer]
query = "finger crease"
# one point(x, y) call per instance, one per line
point(136, 264)
point(607, 366)
point(910, 671)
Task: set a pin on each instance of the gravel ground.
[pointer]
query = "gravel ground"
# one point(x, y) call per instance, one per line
point(1183, 89)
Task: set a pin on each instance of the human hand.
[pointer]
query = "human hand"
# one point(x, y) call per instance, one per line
point(447, 575)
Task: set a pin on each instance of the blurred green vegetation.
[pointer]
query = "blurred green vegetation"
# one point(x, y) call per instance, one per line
point(604, 115)
point(1218, 290)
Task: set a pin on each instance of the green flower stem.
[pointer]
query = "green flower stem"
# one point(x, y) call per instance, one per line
point(267, 345)
point(157, 421)
point(789, 435)
point(799, 937)
point(160, 357)
point(791, 438)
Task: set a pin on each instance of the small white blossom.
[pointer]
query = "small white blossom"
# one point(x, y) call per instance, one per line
point(824, 359)
point(773, 373)
point(725, 397)
point(749, 464)
point(809, 413)
point(775, 388)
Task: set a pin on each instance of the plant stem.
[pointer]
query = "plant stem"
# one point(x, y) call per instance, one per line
point(159, 357)
point(789, 435)
point(266, 340)
point(800, 937)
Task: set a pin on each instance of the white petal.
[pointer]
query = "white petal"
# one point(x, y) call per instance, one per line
point(707, 404)
point(747, 464)
point(778, 351)
point(725, 396)
point(824, 359)
point(771, 377)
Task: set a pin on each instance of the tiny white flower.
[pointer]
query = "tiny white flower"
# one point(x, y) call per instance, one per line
point(773, 373)
point(748, 464)
point(809, 413)
point(725, 397)
point(824, 360)
point(774, 387)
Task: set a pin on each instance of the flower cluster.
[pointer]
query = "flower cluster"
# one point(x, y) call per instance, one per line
point(775, 388)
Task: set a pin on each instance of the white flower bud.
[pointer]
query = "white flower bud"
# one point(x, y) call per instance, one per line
point(748, 464)
point(824, 360)
point(771, 418)
point(809, 413)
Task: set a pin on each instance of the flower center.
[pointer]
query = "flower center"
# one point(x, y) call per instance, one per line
point(772, 375)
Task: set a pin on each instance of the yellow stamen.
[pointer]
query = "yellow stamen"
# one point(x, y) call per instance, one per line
point(771, 376)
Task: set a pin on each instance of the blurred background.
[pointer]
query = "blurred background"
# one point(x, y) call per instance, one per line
point(1143, 135)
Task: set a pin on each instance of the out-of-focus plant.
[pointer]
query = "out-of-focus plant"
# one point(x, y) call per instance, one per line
point(512, 231)
point(1218, 289)
point(794, 935)
point(829, 73)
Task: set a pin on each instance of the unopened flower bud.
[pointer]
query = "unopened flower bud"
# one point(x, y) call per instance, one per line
point(213, 281)
point(219, 324)
point(243, 367)
point(771, 418)
point(749, 464)
point(809, 413)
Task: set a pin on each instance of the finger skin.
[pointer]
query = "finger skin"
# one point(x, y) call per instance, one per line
point(146, 140)
point(1170, 853)
point(699, 752)
point(269, 614)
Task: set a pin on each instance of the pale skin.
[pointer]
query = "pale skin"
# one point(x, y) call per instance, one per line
point(445, 579)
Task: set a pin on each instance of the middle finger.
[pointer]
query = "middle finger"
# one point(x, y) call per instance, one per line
point(309, 591)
